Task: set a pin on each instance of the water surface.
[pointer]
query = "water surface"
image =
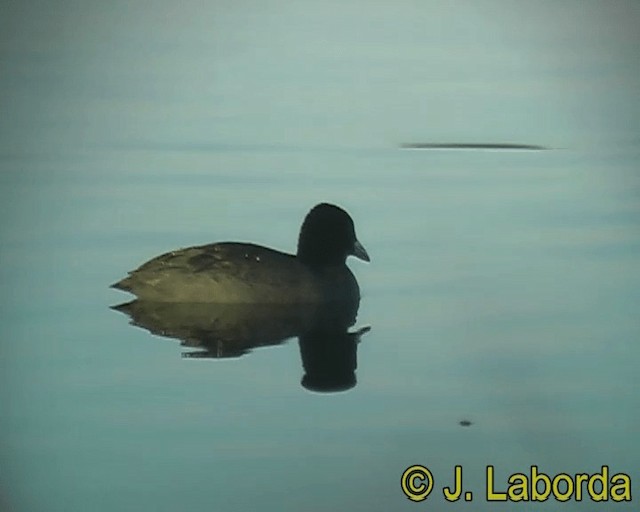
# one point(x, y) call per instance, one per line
point(503, 286)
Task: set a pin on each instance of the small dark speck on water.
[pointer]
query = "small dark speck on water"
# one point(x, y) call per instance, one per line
point(465, 423)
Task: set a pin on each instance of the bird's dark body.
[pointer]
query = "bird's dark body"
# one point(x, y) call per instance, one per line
point(245, 273)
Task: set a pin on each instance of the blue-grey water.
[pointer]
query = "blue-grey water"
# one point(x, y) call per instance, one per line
point(503, 289)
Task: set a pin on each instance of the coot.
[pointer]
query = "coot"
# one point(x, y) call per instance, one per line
point(233, 272)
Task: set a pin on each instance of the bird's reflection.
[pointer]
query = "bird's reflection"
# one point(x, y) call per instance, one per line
point(327, 349)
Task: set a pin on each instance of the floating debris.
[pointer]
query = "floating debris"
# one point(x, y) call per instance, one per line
point(472, 145)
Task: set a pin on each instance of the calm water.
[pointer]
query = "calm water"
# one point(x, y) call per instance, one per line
point(503, 288)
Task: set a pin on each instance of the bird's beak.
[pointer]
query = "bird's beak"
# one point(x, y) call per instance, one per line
point(360, 252)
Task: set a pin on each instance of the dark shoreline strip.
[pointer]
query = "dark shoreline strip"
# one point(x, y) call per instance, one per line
point(464, 145)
